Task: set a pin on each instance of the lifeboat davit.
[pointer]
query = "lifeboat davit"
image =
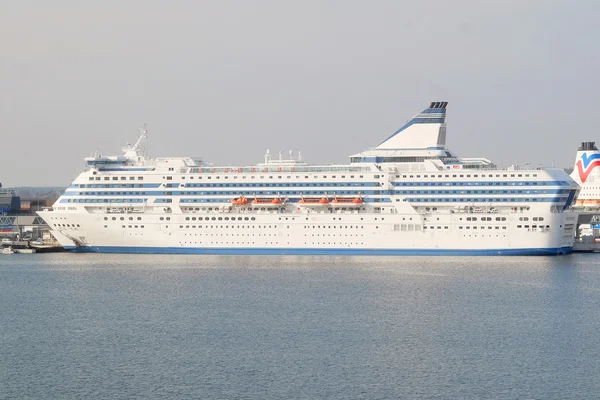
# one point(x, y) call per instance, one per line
point(314, 202)
point(240, 201)
point(347, 201)
point(267, 202)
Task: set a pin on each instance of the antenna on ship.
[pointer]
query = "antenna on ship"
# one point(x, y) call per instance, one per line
point(143, 135)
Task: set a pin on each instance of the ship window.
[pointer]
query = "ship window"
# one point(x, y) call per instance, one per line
point(106, 178)
point(115, 178)
point(123, 178)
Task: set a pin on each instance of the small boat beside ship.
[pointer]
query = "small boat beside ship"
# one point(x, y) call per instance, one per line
point(7, 250)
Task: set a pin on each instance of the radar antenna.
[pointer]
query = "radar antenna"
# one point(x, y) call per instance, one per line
point(136, 147)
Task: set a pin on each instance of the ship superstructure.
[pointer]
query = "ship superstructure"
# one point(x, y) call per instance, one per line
point(408, 195)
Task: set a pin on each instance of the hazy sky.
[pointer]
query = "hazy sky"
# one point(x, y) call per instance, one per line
point(226, 80)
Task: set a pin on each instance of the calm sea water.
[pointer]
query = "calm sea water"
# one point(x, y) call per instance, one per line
point(233, 327)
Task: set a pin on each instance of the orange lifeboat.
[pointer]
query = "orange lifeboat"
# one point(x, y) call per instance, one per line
point(267, 202)
point(347, 201)
point(312, 202)
point(240, 201)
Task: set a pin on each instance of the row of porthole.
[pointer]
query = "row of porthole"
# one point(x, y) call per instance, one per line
point(221, 218)
point(227, 227)
point(334, 243)
point(534, 218)
point(483, 236)
point(481, 227)
point(334, 227)
point(233, 234)
point(329, 235)
point(485, 218)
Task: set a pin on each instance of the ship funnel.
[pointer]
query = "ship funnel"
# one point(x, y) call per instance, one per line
point(586, 161)
point(587, 146)
point(424, 130)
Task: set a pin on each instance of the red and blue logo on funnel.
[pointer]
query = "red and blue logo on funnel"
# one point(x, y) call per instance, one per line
point(586, 164)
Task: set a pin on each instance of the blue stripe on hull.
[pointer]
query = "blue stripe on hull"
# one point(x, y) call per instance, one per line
point(303, 251)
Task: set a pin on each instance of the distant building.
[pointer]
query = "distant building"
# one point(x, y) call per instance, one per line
point(9, 201)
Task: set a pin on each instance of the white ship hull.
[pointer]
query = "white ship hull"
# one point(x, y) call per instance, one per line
point(317, 233)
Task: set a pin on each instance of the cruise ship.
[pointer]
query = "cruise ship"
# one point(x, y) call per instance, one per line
point(409, 195)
